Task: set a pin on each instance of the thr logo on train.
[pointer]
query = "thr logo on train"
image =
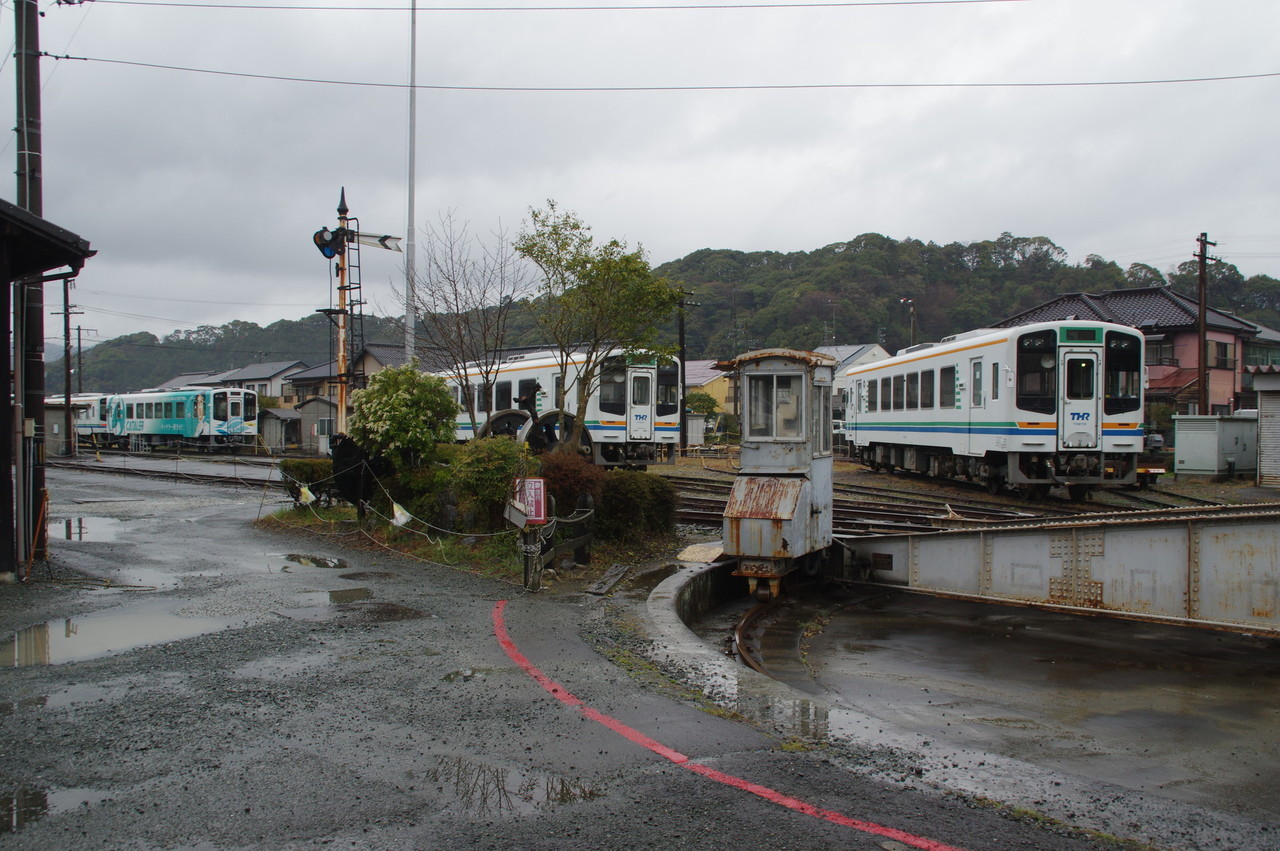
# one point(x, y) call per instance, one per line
point(1079, 416)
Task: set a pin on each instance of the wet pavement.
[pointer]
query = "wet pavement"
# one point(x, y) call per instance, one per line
point(317, 694)
point(1182, 713)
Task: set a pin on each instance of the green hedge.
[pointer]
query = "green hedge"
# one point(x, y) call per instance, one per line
point(635, 506)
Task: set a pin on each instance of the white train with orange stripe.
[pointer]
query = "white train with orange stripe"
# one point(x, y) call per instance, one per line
point(632, 416)
point(1031, 407)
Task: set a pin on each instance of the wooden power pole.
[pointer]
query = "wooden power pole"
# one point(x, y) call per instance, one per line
point(1202, 380)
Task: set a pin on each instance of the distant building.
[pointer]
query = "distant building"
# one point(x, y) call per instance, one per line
point(267, 379)
point(1170, 323)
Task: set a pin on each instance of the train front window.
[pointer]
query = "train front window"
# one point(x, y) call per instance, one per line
point(1080, 378)
point(668, 390)
point(219, 406)
point(250, 407)
point(1037, 373)
point(613, 391)
point(1122, 373)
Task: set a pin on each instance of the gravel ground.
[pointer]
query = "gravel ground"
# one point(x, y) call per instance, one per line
point(237, 688)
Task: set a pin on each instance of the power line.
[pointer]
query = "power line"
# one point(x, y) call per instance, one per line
point(691, 88)
point(657, 7)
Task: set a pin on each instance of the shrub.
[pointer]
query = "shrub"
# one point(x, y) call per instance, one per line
point(482, 475)
point(635, 506)
point(306, 471)
point(569, 477)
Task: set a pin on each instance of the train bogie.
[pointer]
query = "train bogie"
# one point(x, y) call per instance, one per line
point(1032, 407)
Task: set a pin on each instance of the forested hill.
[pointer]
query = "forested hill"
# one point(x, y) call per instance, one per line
point(852, 292)
point(136, 361)
point(844, 293)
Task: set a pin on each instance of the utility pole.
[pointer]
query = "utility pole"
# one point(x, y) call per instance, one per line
point(1203, 377)
point(67, 309)
point(911, 305)
point(410, 287)
point(80, 357)
point(28, 303)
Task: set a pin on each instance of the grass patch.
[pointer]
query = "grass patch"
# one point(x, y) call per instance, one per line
point(486, 555)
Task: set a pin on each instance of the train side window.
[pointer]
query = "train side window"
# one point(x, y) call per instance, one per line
point(913, 391)
point(975, 389)
point(872, 386)
point(947, 387)
point(886, 394)
point(613, 391)
point(483, 398)
point(180, 410)
point(824, 421)
point(1079, 378)
point(995, 381)
point(503, 395)
point(926, 389)
point(129, 410)
point(168, 410)
point(899, 392)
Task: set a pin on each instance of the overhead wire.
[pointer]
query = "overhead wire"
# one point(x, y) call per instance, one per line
point(678, 88)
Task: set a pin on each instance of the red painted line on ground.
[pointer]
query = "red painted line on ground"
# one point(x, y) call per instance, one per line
point(563, 695)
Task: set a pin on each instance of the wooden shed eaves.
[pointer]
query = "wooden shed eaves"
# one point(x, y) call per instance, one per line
point(36, 246)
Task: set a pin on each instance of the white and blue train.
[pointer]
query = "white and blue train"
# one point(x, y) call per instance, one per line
point(632, 417)
point(198, 417)
point(1032, 407)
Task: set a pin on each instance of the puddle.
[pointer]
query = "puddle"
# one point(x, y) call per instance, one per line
point(365, 575)
point(28, 805)
point(85, 528)
point(92, 636)
point(347, 611)
point(314, 561)
point(481, 789)
point(349, 595)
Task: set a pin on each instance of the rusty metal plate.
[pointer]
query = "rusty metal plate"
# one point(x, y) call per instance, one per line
point(763, 498)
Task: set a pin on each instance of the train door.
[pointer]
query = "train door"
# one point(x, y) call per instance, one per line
point(640, 403)
point(1079, 423)
point(976, 408)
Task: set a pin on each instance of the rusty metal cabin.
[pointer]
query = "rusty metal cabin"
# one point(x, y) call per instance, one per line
point(779, 513)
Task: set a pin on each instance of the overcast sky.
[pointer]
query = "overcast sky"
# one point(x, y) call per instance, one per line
point(201, 191)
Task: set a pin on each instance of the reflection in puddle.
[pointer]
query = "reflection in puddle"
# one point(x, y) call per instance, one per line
point(85, 528)
point(365, 575)
point(76, 639)
point(315, 561)
point(492, 790)
point(28, 805)
point(349, 595)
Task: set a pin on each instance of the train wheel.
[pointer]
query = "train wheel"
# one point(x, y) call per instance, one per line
point(1078, 493)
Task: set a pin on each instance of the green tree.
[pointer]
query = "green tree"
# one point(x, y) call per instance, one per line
point(701, 402)
point(593, 299)
point(402, 415)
